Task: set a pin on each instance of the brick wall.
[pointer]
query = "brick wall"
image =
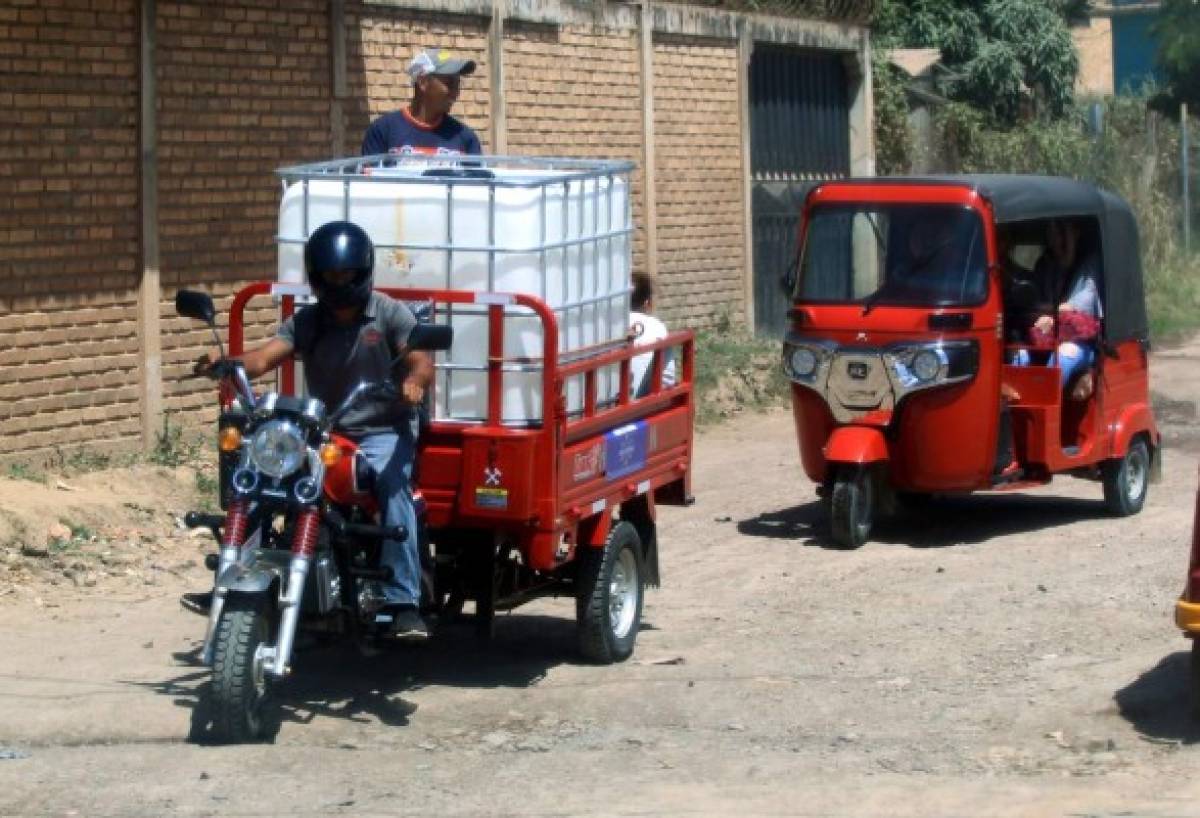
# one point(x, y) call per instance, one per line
point(576, 91)
point(69, 237)
point(243, 88)
point(697, 131)
point(246, 86)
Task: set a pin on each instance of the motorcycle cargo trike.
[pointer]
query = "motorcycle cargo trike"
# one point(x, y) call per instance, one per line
point(930, 336)
point(539, 467)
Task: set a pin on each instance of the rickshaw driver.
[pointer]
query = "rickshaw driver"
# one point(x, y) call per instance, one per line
point(352, 335)
point(930, 253)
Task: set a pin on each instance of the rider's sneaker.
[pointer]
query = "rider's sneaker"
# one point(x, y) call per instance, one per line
point(407, 624)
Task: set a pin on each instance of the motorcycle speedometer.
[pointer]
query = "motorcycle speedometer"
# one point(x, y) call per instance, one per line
point(278, 448)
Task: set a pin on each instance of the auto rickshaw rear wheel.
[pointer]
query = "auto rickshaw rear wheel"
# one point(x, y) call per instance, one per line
point(1126, 479)
point(852, 506)
point(610, 586)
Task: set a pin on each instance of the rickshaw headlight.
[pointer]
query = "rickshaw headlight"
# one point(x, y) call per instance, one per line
point(278, 449)
point(803, 362)
point(926, 364)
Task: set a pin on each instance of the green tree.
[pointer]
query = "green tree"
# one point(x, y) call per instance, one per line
point(1006, 54)
point(1178, 32)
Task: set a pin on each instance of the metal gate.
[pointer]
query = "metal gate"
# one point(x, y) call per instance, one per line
point(799, 135)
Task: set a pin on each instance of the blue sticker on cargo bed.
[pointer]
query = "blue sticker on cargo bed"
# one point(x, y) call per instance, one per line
point(625, 449)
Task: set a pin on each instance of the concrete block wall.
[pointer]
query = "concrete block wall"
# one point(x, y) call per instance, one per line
point(69, 236)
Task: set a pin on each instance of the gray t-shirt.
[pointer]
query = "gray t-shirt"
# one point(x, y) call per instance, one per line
point(338, 357)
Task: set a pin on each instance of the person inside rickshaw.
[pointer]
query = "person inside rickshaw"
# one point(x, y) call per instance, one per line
point(1026, 296)
point(1070, 271)
point(935, 257)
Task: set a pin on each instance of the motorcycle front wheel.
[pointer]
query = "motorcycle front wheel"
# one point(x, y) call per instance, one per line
point(240, 690)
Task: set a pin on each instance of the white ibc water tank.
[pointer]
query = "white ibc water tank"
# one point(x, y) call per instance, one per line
point(556, 229)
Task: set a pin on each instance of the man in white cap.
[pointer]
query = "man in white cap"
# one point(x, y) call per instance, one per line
point(426, 126)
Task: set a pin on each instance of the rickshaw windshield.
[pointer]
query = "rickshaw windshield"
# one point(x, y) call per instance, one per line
point(901, 254)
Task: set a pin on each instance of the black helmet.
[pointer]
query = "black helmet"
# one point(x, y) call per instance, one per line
point(340, 246)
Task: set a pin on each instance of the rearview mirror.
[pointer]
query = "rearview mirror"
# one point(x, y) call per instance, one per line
point(430, 337)
point(787, 281)
point(192, 304)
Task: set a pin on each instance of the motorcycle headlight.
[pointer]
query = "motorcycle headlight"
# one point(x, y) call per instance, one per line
point(803, 362)
point(278, 449)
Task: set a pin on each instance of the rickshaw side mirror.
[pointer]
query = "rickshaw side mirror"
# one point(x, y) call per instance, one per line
point(787, 281)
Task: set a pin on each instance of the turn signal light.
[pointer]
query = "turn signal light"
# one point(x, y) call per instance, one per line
point(330, 454)
point(230, 439)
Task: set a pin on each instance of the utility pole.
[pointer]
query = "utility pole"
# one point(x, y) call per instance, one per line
point(1185, 164)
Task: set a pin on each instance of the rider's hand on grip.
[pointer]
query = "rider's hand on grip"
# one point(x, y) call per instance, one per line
point(413, 392)
point(208, 367)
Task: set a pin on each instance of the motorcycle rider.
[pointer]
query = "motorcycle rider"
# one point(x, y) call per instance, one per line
point(354, 334)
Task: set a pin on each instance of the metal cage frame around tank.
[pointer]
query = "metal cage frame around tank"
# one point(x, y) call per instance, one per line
point(477, 171)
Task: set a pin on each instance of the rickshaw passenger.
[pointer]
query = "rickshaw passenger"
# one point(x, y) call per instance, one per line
point(1073, 272)
point(1025, 297)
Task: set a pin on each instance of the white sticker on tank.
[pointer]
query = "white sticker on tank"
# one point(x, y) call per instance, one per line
point(598, 506)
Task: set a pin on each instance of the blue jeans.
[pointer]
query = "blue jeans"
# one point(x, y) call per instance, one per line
point(391, 456)
point(1073, 358)
point(1070, 357)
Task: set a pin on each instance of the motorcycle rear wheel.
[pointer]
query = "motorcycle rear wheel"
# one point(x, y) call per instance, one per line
point(240, 689)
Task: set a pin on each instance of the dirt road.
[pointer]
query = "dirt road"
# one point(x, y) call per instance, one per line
point(1005, 655)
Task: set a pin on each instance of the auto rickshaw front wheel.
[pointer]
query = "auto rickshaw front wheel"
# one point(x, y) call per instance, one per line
point(1194, 681)
point(851, 506)
point(610, 586)
point(1126, 479)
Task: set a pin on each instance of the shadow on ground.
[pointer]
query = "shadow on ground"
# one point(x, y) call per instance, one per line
point(1158, 703)
point(335, 680)
point(937, 523)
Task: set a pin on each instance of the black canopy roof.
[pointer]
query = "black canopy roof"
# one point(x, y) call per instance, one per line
point(1017, 198)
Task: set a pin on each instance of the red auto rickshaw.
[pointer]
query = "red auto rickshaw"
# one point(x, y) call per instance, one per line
point(1187, 609)
point(912, 366)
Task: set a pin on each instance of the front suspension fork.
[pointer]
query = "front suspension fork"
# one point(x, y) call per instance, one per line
point(237, 519)
point(304, 545)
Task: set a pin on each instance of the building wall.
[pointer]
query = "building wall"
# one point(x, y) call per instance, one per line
point(242, 87)
point(1094, 44)
point(69, 237)
point(1134, 49)
point(576, 91)
point(697, 129)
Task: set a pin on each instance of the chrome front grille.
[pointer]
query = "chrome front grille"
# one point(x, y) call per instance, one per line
point(858, 383)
